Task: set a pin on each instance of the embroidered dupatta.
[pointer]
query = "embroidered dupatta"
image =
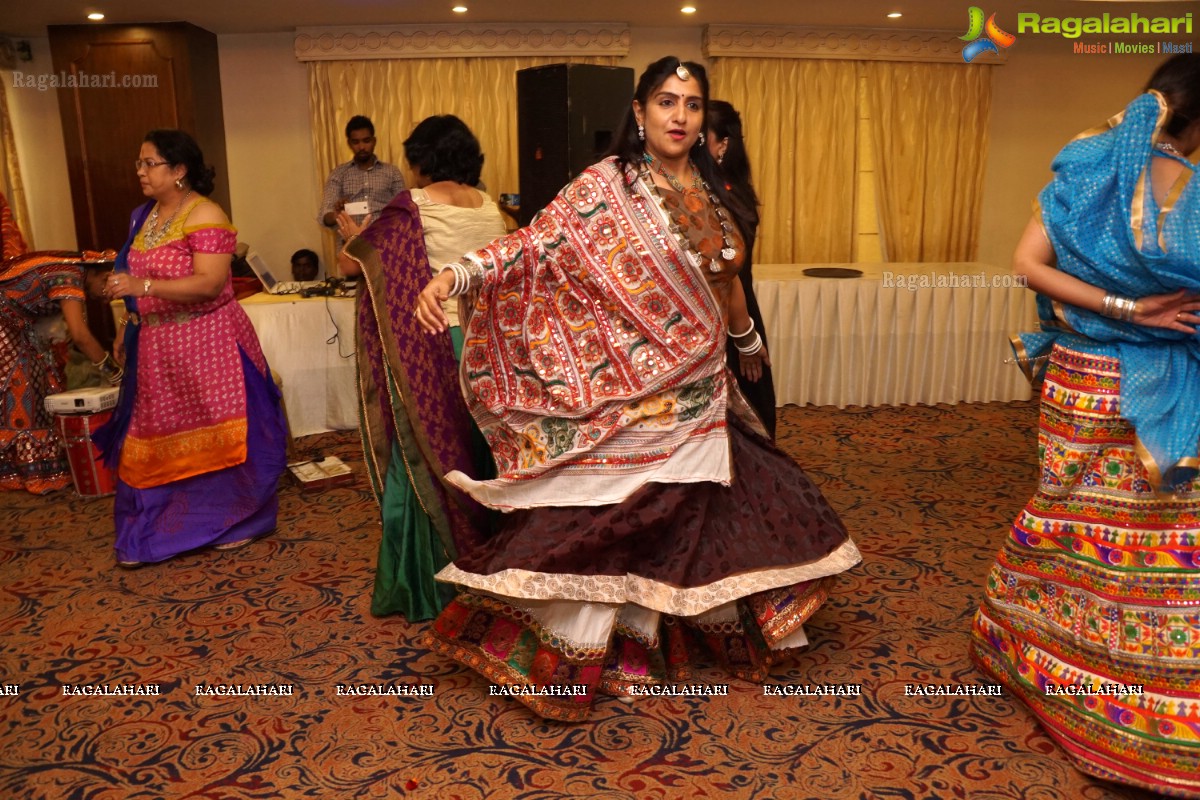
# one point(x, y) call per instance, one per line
point(593, 360)
point(408, 385)
point(1102, 221)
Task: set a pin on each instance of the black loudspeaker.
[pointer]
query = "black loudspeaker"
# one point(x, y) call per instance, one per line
point(567, 115)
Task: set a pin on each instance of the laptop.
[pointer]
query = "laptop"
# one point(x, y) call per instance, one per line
point(271, 284)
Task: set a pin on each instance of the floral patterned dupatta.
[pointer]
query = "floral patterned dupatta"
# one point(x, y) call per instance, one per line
point(594, 358)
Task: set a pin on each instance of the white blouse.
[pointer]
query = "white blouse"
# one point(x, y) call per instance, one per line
point(452, 231)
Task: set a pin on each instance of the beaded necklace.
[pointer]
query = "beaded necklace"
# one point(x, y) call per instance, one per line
point(154, 233)
point(671, 179)
point(728, 251)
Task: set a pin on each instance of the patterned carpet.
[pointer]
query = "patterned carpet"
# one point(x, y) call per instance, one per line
point(927, 492)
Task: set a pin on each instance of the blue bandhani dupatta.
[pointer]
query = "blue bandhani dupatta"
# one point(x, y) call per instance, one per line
point(1106, 229)
point(110, 436)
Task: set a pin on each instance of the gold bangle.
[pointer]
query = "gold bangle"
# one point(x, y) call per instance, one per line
point(146, 288)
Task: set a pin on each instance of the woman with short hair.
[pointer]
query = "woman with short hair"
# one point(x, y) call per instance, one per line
point(414, 423)
point(728, 148)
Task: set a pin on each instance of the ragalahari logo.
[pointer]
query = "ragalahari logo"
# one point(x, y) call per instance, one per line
point(982, 37)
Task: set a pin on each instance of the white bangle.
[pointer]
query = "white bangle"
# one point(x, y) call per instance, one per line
point(752, 348)
point(744, 333)
point(460, 279)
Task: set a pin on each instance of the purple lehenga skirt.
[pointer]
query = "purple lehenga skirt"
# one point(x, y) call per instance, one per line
point(222, 507)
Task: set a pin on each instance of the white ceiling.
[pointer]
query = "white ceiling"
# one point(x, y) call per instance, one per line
point(30, 17)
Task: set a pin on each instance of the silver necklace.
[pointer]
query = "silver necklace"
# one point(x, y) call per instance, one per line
point(1167, 147)
point(728, 251)
point(154, 234)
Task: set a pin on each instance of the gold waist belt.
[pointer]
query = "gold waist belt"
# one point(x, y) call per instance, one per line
point(164, 318)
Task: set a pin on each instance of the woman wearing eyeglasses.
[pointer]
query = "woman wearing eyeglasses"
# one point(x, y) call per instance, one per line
point(199, 437)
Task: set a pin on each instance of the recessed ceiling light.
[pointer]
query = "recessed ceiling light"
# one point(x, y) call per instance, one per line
point(459, 9)
point(895, 15)
point(688, 9)
point(95, 16)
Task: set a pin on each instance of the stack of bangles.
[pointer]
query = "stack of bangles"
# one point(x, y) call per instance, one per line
point(461, 279)
point(753, 347)
point(1121, 308)
point(109, 369)
point(463, 276)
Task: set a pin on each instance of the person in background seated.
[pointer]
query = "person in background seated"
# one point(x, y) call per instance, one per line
point(33, 286)
point(12, 243)
point(413, 437)
point(305, 265)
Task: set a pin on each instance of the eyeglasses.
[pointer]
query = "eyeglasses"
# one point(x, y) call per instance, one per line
point(147, 163)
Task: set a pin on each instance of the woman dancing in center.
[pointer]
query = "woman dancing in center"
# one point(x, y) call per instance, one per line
point(650, 517)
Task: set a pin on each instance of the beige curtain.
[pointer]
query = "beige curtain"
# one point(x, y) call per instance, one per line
point(799, 121)
point(929, 125)
point(398, 93)
point(10, 172)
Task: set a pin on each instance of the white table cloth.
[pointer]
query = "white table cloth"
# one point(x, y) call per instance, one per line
point(900, 334)
point(309, 342)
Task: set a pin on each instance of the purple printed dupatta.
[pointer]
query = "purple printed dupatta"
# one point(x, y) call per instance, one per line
point(408, 380)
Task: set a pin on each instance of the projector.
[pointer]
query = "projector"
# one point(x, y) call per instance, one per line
point(83, 401)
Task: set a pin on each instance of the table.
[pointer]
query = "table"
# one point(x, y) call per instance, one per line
point(309, 342)
point(900, 334)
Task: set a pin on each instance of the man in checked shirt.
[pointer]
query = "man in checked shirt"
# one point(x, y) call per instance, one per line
point(364, 184)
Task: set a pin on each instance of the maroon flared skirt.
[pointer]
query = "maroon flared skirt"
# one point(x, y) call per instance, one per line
point(611, 597)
